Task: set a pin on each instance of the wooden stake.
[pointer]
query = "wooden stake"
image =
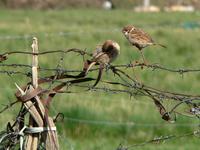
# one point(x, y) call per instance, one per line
point(35, 84)
point(35, 63)
point(34, 137)
point(36, 118)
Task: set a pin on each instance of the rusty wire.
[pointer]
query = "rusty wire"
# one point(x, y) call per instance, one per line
point(122, 83)
point(158, 140)
point(155, 66)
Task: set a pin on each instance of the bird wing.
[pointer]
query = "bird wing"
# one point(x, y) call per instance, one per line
point(97, 50)
point(86, 67)
point(98, 58)
point(101, 58)
point(139, 36)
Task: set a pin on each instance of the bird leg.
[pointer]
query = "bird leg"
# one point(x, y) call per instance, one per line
point(107, 66)
point(144, 60)
point(135, 63)
point(136, 77)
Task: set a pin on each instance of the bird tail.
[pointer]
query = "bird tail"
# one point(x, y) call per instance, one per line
point(87, 66)
point(160, 45)
point(101, 67)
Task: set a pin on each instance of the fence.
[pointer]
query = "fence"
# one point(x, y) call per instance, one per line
point(184, 26)
point(158, 140)
point(41, 129)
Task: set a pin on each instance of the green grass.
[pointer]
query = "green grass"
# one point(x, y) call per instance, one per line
point(86, 29)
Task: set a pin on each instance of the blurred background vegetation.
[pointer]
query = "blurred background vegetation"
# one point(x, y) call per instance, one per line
point(60, 4)
point(90, 117)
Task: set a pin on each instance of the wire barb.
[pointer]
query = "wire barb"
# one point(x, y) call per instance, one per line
point(123, 82)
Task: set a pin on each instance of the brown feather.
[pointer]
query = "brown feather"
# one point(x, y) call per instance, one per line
point(108, 52)
point(141, 36)
point(101, 67)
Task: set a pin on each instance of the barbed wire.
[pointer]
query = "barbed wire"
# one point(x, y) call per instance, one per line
point(154, 66)
point(134, 89)
point(27, 74)
point(159, 67)
point(148, 66)
point(40, 68)
point(123, 83)
point(140, 89)
point(75, 50)
point(160, 139)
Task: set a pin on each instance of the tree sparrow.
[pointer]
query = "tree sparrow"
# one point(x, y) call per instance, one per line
point(138, 38)
point(102, 56)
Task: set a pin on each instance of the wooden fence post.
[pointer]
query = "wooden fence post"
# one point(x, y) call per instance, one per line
point(32, 141)
point(38, 115)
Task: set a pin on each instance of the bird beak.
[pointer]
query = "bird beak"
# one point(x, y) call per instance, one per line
point(126, 33)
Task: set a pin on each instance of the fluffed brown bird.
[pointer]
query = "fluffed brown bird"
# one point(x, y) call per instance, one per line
point(102, 56)
point(138, 38)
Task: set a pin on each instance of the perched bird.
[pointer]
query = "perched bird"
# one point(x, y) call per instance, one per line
point(138, 38)
point(102, 56)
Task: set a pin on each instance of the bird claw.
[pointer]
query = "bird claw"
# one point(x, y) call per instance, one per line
point(3, 57)
point(107, 67)
point(135, 63)
point(145, 63)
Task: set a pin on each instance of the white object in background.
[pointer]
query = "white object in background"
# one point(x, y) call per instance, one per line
point(150, 8)
point(146, 3)
point(180, 8)
point(107, 5)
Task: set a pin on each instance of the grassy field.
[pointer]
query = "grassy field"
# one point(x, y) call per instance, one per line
point(86, 29)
